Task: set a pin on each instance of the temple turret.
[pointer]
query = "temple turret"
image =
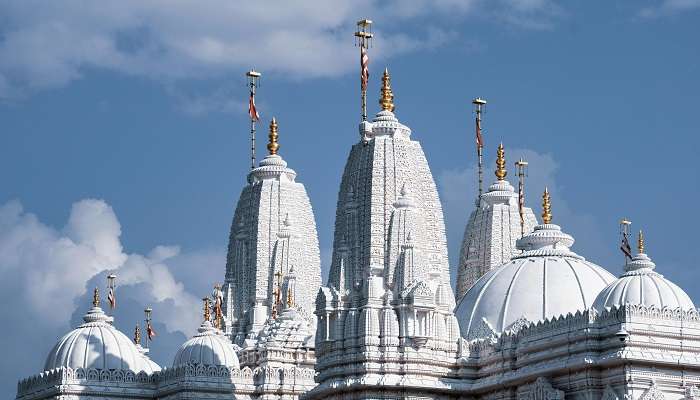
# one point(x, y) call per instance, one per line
point(388, 291)
point(273, 229)
point(492, 229)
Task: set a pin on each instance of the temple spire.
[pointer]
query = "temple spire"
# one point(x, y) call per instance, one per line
point(501, 171)
point(272, 145)
point(640, 242)
point(546, 207)
point(387, 98)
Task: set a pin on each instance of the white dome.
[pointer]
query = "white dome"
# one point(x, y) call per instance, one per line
point(209, 347)
point(546, 280)
point(97, 344)
point(641, 285)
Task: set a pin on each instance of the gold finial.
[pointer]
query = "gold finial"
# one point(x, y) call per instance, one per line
point(207, 315)
point(387, 98)
point(272, 145)
point(501, 163)
point(546, 207)
point(96, 298)
point(640, 242)
point(290, 298)
point(137, 334)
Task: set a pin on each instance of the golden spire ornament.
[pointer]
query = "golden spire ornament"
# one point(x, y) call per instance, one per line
point(207, 315)
point(137, 334)
point(501, 163)
point(272, 145)
point(387, 98)
point(290, 298)
point(546, 207)
point(96, 298)
point(640, 242)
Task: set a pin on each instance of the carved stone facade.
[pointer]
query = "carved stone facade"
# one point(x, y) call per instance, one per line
point(273, 231)
point(491, 233)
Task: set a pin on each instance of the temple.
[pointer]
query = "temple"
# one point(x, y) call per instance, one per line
point(531, 318)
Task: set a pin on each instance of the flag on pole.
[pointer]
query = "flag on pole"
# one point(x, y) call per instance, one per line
point(625, 246)
point(252, 111)
point(479, 138)
point(364, 65)
point(150, 331)
point(112, 300)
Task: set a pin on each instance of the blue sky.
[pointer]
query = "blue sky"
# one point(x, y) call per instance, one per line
point(125, 135)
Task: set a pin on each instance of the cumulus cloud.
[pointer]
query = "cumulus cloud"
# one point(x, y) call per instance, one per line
point(46, 45)
point(458, 191)
point(47, 275)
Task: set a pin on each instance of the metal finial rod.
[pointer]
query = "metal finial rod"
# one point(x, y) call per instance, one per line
point(363, 37)
point(386, 100)
point(137, 334)
point(272, 145)
point(206, 312)
point(478, 104)
point(96, 297)
point(501, 171)
point(640, 242)
point(521, 166)
point(546, 207)
point(149, 329)
point(253, 83)
point(625, 244)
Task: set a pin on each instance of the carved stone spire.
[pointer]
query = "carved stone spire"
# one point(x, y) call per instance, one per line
point(546, 207)
point(387, 98)
point(501, 163)
point(272, 145)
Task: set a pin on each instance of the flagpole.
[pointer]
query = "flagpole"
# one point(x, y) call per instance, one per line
point(111, 292)
point(521, 166)
point(147, 311)
point(364, 36)
point(479, 103)
point(253, 83)
point(624, 232)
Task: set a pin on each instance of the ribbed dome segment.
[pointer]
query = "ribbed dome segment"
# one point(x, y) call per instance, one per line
point(640, 284)
point(97, 344)
point(209, 347)
point(545, 280)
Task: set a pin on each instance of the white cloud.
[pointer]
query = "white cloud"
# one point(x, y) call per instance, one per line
point(458, 191)
point(46, 45)
point(46, 275)
point(669, 7)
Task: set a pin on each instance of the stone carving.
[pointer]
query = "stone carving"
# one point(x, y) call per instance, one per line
point(541, 389)
point(652, 393)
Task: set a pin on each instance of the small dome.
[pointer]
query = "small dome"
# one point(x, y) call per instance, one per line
point(97, 344)
point(640, 284)
point(209, 347)
point(546, 280)
point(291, 330)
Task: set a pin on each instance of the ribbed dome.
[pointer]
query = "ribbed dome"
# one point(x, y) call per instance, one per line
point(98, 344)
point(545, 280)
point(209, 347)
point(641, 285)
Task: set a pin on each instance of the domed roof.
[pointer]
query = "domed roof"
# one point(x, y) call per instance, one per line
point(209, 347)
point(290, 330)
point(97, 344)
point(640, 284)
point(545, 280)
